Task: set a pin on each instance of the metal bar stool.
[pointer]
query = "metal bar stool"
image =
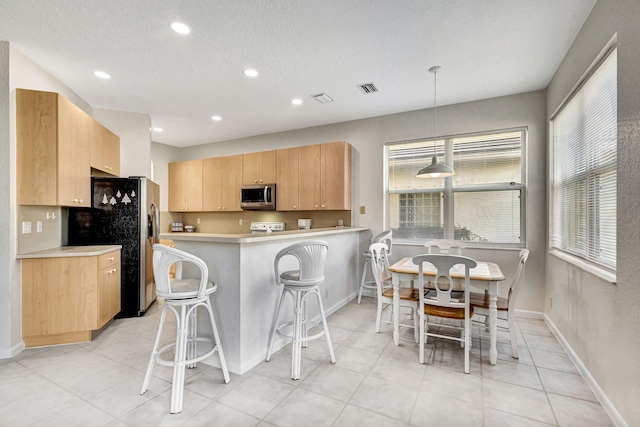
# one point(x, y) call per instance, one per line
point(183, 297)
point(299, 284)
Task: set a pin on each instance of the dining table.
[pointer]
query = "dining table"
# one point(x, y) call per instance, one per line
point(485, 276)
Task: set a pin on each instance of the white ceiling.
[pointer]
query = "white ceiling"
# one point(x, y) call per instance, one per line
point(486, 48)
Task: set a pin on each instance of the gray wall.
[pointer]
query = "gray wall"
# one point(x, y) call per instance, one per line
point(7, 243)
point(600, 320)
point(368, 137)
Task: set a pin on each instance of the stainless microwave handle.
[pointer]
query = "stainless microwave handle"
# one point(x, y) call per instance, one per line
point(265, 193)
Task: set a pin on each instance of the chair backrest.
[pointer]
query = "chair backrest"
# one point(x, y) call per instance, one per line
point(311, 255)
point(163, 258)
point(380, 267)
point(447, 247)
point(385, 237)
point(443, 264)
point(516, 284)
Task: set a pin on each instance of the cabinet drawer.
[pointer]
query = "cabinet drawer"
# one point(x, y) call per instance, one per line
point(108, 259)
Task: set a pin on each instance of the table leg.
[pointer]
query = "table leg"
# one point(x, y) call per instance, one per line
point(493, 322)
point(396, 309)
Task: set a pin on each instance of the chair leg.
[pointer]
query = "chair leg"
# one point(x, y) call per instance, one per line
point(422, 332)
point(467, 346)
point(154, 352)
point(379, 315)
point(303, 325)
point(326, 328)
point(416, 329)
point(216, 337)
point(364, 278)
point(275, 325)
point(512, 335)
point(297, 337)
point(179, 365)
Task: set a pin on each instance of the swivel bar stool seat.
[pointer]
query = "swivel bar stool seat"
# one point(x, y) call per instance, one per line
point(183, 297)
point(299, 284)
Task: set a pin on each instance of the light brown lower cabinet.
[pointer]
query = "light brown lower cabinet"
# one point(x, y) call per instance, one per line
point(68, 299)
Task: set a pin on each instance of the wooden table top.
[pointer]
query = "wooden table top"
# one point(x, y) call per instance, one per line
point(487, 271)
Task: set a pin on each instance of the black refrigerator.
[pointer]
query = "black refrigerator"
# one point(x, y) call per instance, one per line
point(124, 211)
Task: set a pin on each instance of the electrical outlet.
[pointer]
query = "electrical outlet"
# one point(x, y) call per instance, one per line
point(551, 302)
point(240, 221)
point(363, 210)
point(197, 220)
point(39, 227)
point(26, 227)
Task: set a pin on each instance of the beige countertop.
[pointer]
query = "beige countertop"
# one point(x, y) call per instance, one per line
point(261, 237)
point(70, 251)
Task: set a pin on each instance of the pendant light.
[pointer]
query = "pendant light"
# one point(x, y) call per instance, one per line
point(435, 169)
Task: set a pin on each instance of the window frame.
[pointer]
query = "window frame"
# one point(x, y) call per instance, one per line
point(448, 191)
point(598, 270)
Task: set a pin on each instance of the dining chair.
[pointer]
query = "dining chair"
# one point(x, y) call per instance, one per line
point(444, 246)
point(384, 288)
point(506, 306)
point(299, 284)
point(385, 237)
point(440, 302)
point(183, 297)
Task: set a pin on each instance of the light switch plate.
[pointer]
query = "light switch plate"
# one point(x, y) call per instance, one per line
point(39, 227)
point(363, 210)
point(26, 227)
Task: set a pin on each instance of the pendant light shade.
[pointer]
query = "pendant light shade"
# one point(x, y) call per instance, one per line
point(435, 169)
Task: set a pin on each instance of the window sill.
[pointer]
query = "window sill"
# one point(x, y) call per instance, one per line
point(599, 272)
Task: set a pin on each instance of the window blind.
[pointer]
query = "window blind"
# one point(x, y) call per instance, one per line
point(584, 178)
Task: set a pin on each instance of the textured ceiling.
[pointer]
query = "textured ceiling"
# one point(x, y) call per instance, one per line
point(486, 48)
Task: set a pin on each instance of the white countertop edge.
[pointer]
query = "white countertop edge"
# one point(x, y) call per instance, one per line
point(70, 251)
point(259, 238)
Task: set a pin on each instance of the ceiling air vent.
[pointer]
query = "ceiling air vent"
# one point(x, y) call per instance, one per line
point(322, 98)
point(368, 88)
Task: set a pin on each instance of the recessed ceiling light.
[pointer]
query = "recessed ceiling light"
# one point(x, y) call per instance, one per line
point(180, 28)
point(101, 74)
point(296, 101)
point(157, 129)
point(216, 118)
point(250, 73)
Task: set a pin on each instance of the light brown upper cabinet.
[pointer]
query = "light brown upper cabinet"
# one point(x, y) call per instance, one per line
point(287, 189)
point(53, 150)
point(335, 175)
point(185, 186)
point(314, 177)
point(222, 178)
point(105, 150)
point(259, 168)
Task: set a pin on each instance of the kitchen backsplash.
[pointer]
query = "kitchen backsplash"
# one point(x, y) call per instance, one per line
point(51, 232)
point(228, 222)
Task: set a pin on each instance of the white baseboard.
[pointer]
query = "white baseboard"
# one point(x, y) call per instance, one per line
point(599, 393)
point(13, 351)
point(530, 314)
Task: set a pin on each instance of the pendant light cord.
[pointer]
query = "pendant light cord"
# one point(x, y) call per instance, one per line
point(435, 108)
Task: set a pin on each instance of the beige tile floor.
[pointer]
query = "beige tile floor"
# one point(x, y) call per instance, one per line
point(373, 383)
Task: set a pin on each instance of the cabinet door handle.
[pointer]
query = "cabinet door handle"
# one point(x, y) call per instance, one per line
point(80, 201)
point(75, 200)
point(322, 206)
point(295, 207)
point(260, 181)
point(255, 181)
point(224, 208)
point(112, 258)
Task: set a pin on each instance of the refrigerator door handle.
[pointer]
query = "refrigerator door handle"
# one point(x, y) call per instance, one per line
point(155, 231)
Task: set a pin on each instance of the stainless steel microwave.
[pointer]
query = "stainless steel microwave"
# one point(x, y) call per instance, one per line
point(258, 197)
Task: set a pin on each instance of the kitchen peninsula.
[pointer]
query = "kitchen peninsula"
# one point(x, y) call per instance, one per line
point(245, 302)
